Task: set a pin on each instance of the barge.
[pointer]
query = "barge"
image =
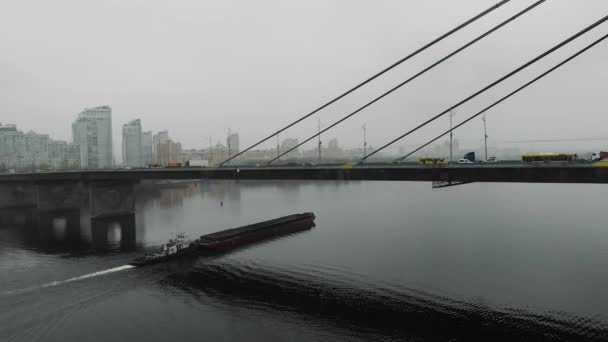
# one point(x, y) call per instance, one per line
point(220, 241)
point(234, 237)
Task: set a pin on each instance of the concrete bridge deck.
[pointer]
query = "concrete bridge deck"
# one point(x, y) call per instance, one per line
point(523, 173)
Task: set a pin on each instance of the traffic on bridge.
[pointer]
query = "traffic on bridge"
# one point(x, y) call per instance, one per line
point(321, 170)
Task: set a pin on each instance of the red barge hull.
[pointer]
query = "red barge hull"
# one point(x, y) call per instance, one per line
point(234, 237)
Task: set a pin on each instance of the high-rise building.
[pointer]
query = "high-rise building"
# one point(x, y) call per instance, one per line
point(333, 145)
point(58, 158)
point(27, 151)
point(37, 149)
point(12, 152)
point(132, 149)
point(147, 148)
point(75, 156)
point(333, 150)
point(159, 140)
point(218, 153)
point(232, 143)
point(166, 150)
point(192, 154)
point(175, 152)
point(288, 144)
point(92, 130)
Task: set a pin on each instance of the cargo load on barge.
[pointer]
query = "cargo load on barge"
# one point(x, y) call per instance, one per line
point(220, 241)
point(255, 232)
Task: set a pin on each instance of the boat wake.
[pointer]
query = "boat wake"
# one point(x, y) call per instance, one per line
point(69, 280)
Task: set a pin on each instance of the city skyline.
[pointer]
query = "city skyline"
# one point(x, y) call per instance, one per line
point(197, 90)
point(143, 147)
point(321, 170)
point(91, 147)
point(138, 148)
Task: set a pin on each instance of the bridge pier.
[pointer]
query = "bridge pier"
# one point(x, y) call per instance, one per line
point(59, 209)
point(111, 199)
point(18, 216)
point(105, 230)
point(17, 195)
point(59, 225)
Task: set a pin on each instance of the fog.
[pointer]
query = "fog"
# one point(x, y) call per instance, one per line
point(199, 68)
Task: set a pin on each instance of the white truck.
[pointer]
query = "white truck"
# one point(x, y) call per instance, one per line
point(197, 163)
point(595, 156)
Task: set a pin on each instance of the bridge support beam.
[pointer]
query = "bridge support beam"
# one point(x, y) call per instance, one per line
point(59, 197)
point(17, 195)
point(111, 199)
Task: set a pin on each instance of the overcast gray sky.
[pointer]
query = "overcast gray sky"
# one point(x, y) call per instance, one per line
point(198, 68)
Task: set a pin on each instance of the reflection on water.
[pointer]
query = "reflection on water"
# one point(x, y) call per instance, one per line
point(68, 232)
point(387, 261)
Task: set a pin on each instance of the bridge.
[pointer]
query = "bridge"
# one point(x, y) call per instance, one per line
point(110, 193)
point(513, 172)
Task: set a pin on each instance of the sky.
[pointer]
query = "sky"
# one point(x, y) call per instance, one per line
point(200, 68)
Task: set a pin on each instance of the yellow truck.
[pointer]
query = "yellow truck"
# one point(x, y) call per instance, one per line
point(432, 161)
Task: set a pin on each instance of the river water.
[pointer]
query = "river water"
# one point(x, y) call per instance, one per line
point(386, 261)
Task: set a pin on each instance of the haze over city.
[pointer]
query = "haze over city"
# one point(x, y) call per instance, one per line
point(324, 170)
point(199, 69)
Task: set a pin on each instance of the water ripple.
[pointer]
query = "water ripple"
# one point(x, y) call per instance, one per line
point(346, 300)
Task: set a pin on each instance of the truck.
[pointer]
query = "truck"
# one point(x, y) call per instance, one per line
point(432, 161)
point(197, 163)
point(470, 156)
point(174, 164)
point(599, 155)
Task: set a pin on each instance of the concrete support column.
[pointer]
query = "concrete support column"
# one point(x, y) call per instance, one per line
point(59, 226)
point(104, 227)
point(18, 216)
point(17, 195)
point(111, 199)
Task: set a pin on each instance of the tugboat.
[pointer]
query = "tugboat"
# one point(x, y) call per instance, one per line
point(179, 245)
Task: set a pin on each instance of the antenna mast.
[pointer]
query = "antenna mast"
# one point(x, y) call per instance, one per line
point(451, 136)
point(319, 128)
point(210, 150)
point(485, 134)
point(364, 139)
point(278, 150)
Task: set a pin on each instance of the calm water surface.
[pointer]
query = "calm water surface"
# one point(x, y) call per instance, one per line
point(386, 261)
